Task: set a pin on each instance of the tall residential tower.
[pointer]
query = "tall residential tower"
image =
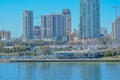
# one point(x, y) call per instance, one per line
point(89, 19)
point(116, 29)
point(53, 27)
point(67, 15)
point(27, 25)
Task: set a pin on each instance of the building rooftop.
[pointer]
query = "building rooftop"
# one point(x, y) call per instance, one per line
point(66, 11)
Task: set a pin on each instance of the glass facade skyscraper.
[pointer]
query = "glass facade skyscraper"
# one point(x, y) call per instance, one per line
point(89, 19)
point(27, 25)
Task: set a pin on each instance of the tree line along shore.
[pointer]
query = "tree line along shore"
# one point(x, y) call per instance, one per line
point(19, 48)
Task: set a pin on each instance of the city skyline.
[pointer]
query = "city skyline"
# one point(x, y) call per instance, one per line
point(13, 20)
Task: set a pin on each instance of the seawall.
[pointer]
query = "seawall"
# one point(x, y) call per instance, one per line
point(62, 60)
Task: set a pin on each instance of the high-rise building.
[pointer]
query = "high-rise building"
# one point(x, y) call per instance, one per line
point(36, 33)
point(53, 27)
point(67, 15)
point(5, 34)
point(27, 25)
point(116, 29)
point(89, 19)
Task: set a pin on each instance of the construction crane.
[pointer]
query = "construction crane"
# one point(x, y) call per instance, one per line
point(116, 7)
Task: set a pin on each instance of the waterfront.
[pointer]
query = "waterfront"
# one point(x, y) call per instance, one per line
point(59, 71)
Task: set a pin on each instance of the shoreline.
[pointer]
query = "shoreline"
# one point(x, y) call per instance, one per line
point(60, 60)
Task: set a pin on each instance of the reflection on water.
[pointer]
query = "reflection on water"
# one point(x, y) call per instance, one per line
point(90, 72)
point(59, 71)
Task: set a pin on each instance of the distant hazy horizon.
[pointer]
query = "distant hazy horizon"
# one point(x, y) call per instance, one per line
point(11, 12)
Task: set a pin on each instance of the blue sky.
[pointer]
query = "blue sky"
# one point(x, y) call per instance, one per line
point(11, 12)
